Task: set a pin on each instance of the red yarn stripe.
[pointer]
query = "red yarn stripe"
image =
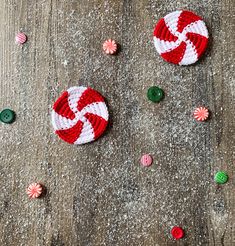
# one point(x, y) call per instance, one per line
point(89, 96)
point(72, 134)
point(98, 124)
point(162, 32)
point(185, 18)
point(199, 41)
point(62, 108)
point(176, 55)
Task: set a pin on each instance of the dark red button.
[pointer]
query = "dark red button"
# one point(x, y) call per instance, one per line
point(177, 232)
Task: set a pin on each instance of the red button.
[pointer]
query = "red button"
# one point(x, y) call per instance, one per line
point(177, 232)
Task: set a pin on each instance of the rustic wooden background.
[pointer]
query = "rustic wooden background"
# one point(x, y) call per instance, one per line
point(98, 194)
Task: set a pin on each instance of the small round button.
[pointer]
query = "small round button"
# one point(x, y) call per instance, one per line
point(155, 94)
point(221, 177)
point(7, 116)
point(177, 232)
point(146, 160)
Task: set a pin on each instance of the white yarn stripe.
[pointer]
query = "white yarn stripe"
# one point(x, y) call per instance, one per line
point(164, 46)
point(171, 21)
point(197, 27)
point(87, 134)
point(74, 96)
point(190, 54)
point(98, 108)
point(61, 123)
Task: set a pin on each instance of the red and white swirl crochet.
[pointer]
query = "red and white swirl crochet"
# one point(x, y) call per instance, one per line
point(80, 115)
point(181, 37)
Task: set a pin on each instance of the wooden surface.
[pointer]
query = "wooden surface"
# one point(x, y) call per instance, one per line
point(98, 194)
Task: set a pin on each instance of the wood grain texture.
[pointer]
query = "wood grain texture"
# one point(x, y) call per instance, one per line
point(98, 194)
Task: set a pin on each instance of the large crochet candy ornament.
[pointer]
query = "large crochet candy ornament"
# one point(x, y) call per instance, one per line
point(181, 37)
point(79, 115)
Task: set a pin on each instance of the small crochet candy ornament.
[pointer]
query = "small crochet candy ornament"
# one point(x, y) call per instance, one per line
point(80, 115)
point(34, 190)
point(181, 37)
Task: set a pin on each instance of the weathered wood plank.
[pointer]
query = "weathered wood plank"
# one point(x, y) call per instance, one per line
point(98, 194)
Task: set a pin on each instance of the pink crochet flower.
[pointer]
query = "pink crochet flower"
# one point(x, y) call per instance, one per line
point(201, 114)
point(110, 47)
point(34, 190)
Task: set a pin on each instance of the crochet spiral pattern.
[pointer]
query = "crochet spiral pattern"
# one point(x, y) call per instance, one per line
point(181, 37)
point(79, 115)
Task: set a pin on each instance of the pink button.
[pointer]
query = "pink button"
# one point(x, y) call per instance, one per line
point(146, 160)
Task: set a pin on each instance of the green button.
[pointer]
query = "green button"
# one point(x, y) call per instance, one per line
point(7, 116)
point(221, 177)
point(155, 94)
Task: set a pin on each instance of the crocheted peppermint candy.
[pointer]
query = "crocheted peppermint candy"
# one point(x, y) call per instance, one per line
point(181, 37)
point(80, 115)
